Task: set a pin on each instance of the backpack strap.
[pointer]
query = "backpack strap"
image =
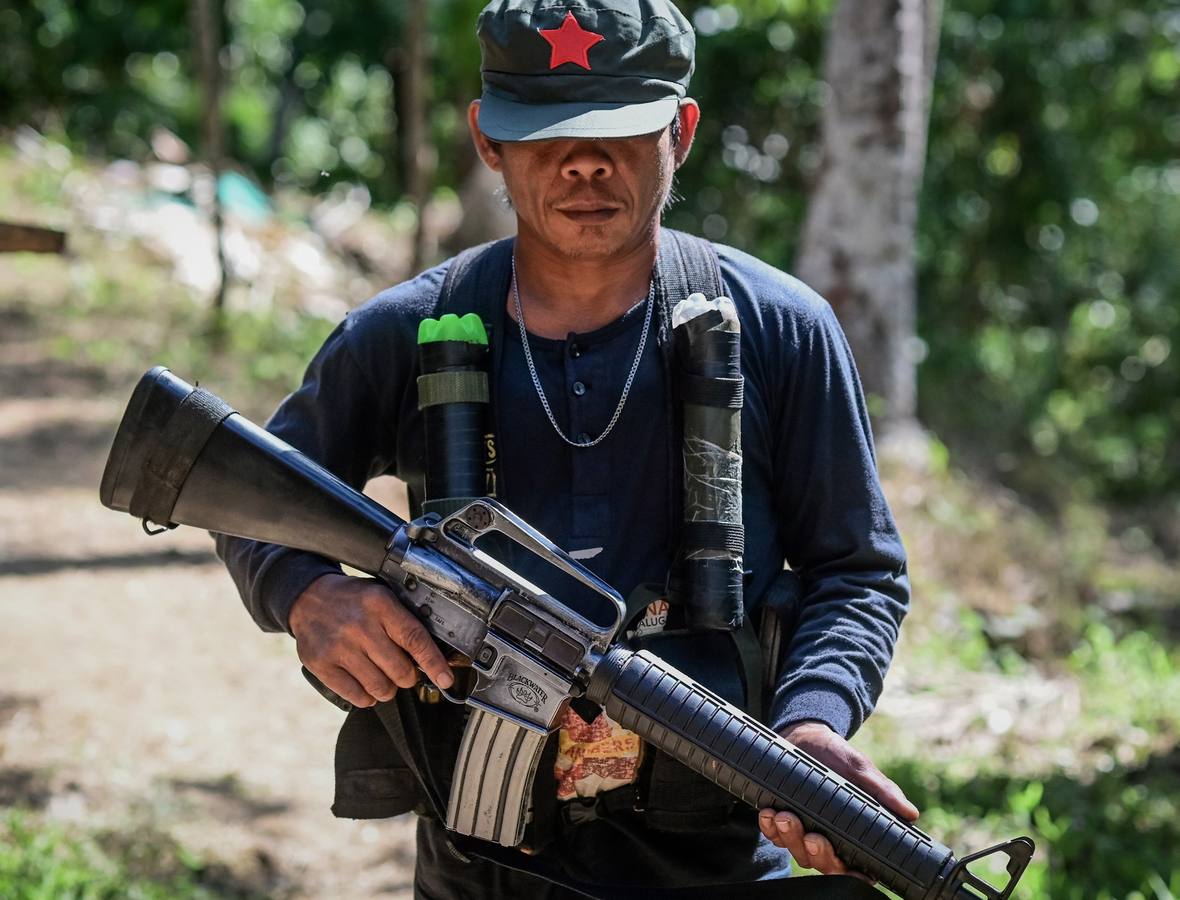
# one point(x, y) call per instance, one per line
point(684, 264)
point(687, 264)
point(476, 281)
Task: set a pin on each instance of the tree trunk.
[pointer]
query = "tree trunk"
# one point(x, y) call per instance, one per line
point(417, 154)
point(206, 21)
point(486, 214)
point(858, 243)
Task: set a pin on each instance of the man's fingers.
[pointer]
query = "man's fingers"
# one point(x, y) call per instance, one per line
point(338, 680)
point(375, 682)
point(411, 635)
point(790, 837)
point(766, 825)
point(823, 857)
point(812, 851)
point(872, 779)
point(396, 665)
point(895, 799)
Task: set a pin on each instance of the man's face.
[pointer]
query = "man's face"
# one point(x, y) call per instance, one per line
point(588, 199)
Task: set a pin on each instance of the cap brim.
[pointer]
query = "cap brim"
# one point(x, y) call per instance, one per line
point(507, 120)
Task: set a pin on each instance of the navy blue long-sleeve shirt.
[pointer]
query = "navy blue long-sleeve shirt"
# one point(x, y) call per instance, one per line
point(811, 495)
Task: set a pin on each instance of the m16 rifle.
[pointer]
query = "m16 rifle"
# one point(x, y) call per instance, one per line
point(182, 456)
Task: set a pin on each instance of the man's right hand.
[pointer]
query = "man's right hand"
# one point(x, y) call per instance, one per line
point(357, 638)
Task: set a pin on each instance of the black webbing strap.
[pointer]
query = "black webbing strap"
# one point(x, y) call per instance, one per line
point(452, 387)
point(715, 536)
point(410, 746)
point(816, 887)
point(176, 449)
point(749, 651)
point(688, 265)
point(725, 393)
point(477, 286)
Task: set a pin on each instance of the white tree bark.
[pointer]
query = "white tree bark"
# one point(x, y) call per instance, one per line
point(206, 24)
point(858, 241)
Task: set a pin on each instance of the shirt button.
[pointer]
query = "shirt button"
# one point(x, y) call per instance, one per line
point(575, 350)
point(583, 437)
point(579, 389)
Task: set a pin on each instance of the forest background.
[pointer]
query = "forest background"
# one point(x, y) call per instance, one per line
point(1038, 687)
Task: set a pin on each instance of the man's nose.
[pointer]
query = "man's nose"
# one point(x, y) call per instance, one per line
point(587, 161)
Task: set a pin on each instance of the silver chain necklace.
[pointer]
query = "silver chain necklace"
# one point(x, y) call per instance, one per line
point(528, 355)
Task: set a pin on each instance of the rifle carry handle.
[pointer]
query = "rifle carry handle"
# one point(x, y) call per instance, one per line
point(722, 743)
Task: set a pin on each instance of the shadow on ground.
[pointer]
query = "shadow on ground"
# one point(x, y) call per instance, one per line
point(230, 798)
point(47, 565)
point(25, 788)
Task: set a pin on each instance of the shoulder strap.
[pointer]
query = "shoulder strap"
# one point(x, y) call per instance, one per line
point(475, 280)
point(687, 264)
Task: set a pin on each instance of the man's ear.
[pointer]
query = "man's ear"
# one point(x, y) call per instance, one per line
point(488, 150)
point(690, 116)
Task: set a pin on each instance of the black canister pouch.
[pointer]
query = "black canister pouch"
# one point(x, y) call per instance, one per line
point(453, 397)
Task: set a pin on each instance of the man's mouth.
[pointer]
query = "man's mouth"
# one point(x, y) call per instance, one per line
point(589, 212)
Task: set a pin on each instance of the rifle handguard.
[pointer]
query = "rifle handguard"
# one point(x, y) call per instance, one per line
point(717, 740)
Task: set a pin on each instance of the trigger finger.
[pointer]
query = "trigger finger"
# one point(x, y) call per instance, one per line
point(408, 632)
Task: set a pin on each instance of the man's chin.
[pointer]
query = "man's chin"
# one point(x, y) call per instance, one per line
point(593, 241)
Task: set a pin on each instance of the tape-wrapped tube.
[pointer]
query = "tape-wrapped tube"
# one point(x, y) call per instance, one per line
point(706, 577)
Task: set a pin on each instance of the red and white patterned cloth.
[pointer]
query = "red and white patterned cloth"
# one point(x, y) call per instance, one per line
point(598, 756)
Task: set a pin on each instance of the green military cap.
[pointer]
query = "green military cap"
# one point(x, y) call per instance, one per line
point(582, 69)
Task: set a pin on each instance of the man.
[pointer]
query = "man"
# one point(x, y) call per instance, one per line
point(585, 115)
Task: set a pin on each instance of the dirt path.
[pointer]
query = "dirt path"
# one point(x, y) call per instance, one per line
point(135, 692)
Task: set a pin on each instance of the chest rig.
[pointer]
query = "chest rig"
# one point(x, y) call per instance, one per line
point(708, 634)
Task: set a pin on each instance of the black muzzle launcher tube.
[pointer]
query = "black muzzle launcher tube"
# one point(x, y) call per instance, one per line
point(182, 456)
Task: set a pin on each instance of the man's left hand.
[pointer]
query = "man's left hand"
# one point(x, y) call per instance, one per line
point(785, 829)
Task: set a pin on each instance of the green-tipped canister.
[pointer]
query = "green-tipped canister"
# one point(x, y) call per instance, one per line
point(453, 397)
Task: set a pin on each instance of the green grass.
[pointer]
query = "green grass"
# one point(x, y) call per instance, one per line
point(40, 861)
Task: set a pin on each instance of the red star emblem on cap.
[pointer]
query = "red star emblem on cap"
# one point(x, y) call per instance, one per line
point(571, 42)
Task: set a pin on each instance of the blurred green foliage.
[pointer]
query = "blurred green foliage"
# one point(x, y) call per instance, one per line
point(1050, 221)
point(1103, 806)
point(1048, 271)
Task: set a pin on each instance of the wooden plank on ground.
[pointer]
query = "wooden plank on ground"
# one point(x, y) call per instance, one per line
point(16, 238)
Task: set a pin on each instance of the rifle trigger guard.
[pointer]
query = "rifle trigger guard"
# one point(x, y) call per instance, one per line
point(1019, 852)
